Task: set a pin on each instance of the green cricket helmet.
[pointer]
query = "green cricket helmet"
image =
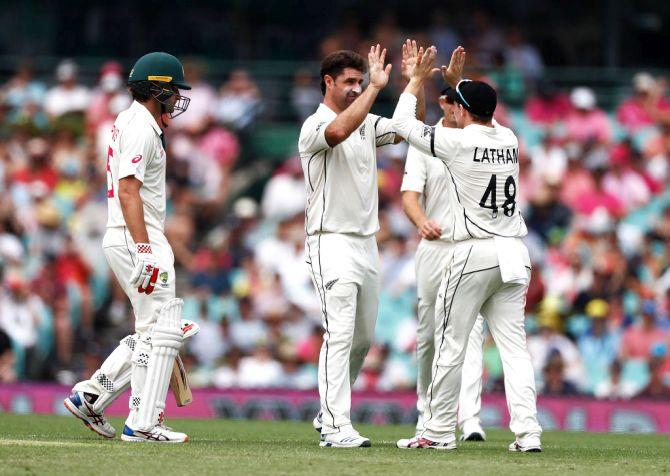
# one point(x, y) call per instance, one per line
point(161, 76)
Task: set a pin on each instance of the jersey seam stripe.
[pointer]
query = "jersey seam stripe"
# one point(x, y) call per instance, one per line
point(432, 141)
point(325, 177)
point(377, 122)
point(384, 134)
point(444, 327)
point(465, 217)
point(484, 229)
point(309, 162)
point(125, 236)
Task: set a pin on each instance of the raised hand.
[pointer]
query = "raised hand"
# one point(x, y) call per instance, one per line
point(379, 75)
point(424, 64)
point(453, 73)
point(410, 54)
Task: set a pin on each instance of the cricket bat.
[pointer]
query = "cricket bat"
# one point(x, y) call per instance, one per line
point(179, 383)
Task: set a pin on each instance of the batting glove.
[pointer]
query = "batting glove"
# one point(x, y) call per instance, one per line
point(145, 273)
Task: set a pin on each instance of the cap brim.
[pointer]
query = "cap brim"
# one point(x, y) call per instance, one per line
point(185, 86)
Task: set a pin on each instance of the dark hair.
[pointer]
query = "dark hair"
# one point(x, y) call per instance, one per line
point(139, 91)
point(479, 118)
point(334, 64)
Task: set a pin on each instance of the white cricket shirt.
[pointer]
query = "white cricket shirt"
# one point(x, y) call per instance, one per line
point(482, 169)
point(427, 176)
point(136, 149)
point(341, 181)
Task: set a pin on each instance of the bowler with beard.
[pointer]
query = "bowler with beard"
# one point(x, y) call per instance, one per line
point(338, 154)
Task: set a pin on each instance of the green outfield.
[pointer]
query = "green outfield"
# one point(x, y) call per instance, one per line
point(61, 445)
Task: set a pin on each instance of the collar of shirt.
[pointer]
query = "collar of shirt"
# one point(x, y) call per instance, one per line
point(144, 112)
point(481, 128)
point(326, 111)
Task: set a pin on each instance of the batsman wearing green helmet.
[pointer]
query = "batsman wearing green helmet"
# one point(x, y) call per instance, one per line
point(141, 259)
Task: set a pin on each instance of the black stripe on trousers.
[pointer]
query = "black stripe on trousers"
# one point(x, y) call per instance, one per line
point(444, 328)
point(324, 311)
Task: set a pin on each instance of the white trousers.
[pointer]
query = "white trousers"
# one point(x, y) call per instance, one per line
point(345, 273)
point(431, 262)
point(471, 285)
point(119, 249)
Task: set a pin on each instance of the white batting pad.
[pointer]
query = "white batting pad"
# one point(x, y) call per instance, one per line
point(166, 340)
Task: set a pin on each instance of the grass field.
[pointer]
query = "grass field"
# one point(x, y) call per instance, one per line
point(62, 445)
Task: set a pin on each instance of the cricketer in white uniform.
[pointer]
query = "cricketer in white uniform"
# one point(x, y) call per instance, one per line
point(338, 152)
point(426, 202)
point(145, 270)
point(488, 269)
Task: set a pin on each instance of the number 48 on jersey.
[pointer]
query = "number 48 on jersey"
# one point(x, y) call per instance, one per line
point(489, 198)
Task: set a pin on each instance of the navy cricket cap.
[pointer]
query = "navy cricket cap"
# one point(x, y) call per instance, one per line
point(475, 96)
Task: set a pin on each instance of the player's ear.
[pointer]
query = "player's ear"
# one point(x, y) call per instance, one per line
point(329, 81)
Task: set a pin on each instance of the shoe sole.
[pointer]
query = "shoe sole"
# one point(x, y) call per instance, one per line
point(438, 448)
point(135, 439)
point(75, 411)
point(328, 444)
point(534, 449)
point(475, 437)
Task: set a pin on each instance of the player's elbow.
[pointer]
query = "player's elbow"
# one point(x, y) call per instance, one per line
point(336, 135)
point(128, 191)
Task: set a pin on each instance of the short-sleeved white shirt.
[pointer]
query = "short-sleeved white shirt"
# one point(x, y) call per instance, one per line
point(341, 181)
point(136, 149)
point(482, 167)
point(428, 176)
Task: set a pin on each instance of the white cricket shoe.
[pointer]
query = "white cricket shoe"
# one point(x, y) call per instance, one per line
point(526, 444)
point(317, 423)
point(158, 434)
point(418, 442)
point(472, 431)
point(347, 437)
point(77, 404)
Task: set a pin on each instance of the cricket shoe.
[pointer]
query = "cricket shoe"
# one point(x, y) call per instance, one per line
point(346, 438)
point(77, 404)
point(526, 444)
point(472, 431)
point(158, 434)
point(317, 423)
point(424, 443)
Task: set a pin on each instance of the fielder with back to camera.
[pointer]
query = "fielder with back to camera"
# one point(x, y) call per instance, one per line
point(488, 268)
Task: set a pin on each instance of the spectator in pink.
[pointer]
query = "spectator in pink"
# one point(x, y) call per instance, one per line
point(598, 198)
point(586, 122)
point(548, 106)
point(640, 339)
point(108, 99)
point(621, 177)
point(637, 111)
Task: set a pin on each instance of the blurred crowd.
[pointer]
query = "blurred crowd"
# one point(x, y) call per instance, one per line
point(593, 187)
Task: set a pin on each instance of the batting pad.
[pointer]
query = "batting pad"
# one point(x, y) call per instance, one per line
point(113, 376)
point(166, 340)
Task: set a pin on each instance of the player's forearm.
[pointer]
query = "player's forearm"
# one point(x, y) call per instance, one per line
point(412, 208)
point(132, 208)
point(421, 105)
point(408, 126)
point(348, 120)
